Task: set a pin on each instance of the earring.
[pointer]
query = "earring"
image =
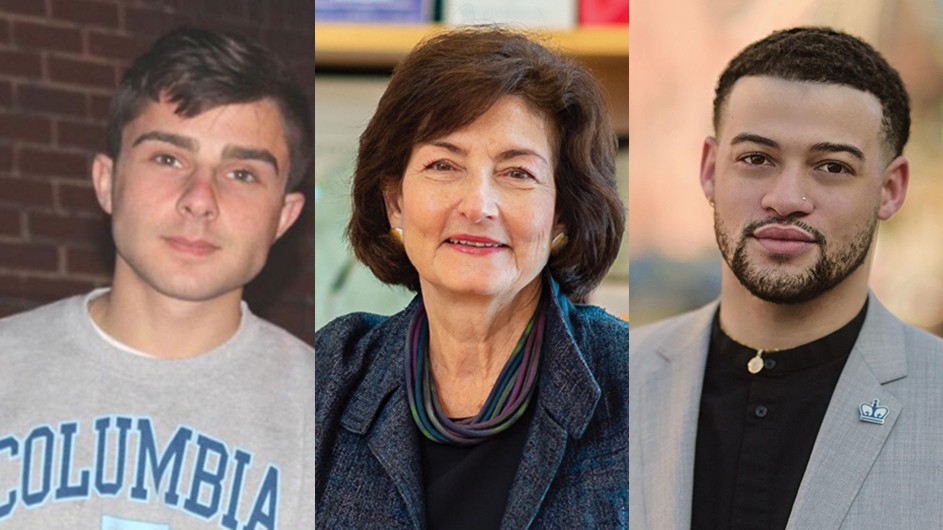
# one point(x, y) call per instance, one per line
point(559, 241)
point(711, 202)
point(397, 233)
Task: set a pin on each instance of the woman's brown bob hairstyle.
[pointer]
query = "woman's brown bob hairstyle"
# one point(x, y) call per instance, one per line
point(446, 83)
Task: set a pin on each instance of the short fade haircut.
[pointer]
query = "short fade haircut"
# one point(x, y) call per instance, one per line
point(198, 70)
point(445, 84)
point(824, 55)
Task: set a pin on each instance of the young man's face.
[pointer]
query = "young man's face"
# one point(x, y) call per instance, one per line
point(799, 178)
point(196, 203)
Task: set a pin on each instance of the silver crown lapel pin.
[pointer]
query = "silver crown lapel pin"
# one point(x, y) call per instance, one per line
point(872, 412)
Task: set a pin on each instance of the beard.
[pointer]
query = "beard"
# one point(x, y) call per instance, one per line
point(779, 286)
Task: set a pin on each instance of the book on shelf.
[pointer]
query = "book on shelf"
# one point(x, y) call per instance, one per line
point(597, 12)
point(547, 14)
point(366, 11)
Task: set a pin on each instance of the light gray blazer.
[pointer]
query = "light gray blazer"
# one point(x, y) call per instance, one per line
point(860, 475)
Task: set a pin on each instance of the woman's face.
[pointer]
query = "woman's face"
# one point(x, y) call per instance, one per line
point(476, 206)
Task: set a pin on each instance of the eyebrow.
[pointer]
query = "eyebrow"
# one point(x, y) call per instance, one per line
point(504, 155)
point(829, 147)
point(754, 138)
point(235, 152)
point(230, 152)
point(184, 142)
point(821, 147)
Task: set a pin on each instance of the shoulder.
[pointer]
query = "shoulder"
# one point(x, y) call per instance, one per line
point(924, 353)
point(36, 325)
point(345, 336)
point(277, 339)
point(644, 337)
point(348, 330)
point(602, 339)
point(593, 325)
point(347, 345)
point(885, 333)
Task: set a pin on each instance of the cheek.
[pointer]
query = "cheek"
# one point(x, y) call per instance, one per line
point(532, 222)
point(425, 211)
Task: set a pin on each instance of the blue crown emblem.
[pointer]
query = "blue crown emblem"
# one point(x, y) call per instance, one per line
point(872, 413)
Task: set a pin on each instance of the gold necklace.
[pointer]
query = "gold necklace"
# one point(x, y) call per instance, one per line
point(756, 363)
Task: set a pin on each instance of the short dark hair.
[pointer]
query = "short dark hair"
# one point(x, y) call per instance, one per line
point(199, 70)
point(824, 55)
point(446, 83)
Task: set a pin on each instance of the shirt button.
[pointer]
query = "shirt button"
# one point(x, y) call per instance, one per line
point(769, 364)
point(760, 411)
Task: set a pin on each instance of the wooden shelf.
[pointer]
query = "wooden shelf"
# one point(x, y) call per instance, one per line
point(603, 49)
point(382, 45)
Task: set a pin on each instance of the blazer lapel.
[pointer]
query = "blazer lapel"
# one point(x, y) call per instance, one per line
point(846, 447)
point(567, 396)
point(394, 442)
point(379, 411)
point(667, 387)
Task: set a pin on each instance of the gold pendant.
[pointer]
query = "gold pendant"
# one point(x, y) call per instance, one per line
point(755, 364)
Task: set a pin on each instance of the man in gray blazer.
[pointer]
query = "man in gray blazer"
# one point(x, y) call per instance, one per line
point(795, 400)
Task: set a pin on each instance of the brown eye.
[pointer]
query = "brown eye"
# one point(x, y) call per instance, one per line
point(440, 165)
point(833, 167)
point(518, 173)
point(756, 159)
point(166, 160)
point(243, 175)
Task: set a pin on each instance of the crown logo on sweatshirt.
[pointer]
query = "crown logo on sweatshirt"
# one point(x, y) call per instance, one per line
point(873, 413)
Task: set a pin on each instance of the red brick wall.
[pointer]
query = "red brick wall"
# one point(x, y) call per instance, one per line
point(59, 63)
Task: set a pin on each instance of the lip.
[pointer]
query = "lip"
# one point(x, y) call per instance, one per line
point(474, 245)
point(784, 239)
point(192, 247)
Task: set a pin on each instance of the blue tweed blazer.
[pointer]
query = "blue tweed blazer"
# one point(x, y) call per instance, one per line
point(574, 471)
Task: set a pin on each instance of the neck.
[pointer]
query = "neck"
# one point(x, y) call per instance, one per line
point(165, 327)
point(761, 324)
point(471, 339)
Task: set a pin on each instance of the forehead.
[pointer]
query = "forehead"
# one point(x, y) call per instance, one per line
point(257, 125)
point(801, 111)
point(510, 120)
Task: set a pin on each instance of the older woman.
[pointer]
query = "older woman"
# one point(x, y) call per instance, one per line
point(485, 183)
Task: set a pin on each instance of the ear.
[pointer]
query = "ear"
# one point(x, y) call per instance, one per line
point(558, 228)
point(103, 178)
point(291, 209)
point(894, 188)
point(393, 198)
point(708, 167)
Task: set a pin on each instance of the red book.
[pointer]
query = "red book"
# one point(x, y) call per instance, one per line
point(595, 12)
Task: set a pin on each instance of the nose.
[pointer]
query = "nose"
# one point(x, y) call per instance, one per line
point(198, 199)
point(789, 193)
point(479, 200)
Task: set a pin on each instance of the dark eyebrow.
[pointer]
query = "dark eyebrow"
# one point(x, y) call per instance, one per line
point(250, 153)
point(448, 146)
point(506, 155)
point(183, 142)
point(829, 147)
point(821, 147)
point(754, 138)
point(514, 153)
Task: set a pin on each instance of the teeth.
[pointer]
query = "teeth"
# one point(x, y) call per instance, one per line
point(474, 243)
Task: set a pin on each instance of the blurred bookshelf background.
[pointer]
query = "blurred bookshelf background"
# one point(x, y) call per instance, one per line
point(679, 48)
point(357, 44)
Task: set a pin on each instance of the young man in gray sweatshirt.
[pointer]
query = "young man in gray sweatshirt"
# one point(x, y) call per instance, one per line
point(163, 402)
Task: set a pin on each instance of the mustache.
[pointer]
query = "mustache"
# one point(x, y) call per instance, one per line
point(783, 221)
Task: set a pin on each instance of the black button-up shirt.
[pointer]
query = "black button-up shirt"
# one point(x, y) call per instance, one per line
point(755, 432)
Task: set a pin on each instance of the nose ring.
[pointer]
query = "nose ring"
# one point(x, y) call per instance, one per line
point(803, 198)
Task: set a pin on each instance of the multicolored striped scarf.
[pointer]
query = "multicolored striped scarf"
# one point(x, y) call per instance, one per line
point(505, 404)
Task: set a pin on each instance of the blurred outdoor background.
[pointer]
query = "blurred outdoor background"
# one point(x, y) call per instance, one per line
point(679, 48)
